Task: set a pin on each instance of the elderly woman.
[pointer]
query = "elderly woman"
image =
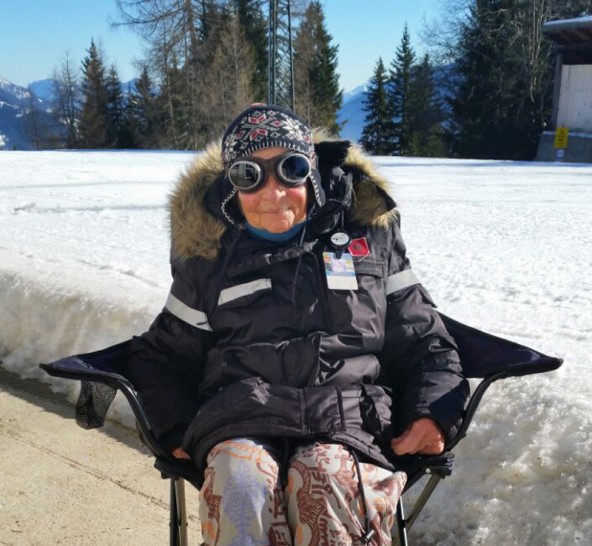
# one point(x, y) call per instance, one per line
point(297, 355)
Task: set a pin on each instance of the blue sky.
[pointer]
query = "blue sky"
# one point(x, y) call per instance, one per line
point(36, 35)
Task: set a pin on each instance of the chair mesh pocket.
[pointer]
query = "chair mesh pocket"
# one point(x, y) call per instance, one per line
point(93, 402)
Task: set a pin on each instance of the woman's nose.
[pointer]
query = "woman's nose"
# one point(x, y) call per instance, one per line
point(272, 187)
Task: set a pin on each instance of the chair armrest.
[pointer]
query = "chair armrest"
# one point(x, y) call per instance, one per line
point(76, 368)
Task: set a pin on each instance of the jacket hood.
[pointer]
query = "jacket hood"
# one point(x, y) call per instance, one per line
point(196, 232)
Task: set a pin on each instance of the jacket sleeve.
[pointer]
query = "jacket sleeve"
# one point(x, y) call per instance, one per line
point(165, 363)
point(419, 356)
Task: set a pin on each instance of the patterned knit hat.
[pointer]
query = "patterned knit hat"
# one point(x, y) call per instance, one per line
point(265, 126)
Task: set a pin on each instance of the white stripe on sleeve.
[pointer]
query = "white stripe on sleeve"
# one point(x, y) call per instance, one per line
point(240, 290)
point(187, 314)
point(401, 280)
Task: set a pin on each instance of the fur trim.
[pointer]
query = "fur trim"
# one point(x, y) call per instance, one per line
point(369, 207)
point(195, 232)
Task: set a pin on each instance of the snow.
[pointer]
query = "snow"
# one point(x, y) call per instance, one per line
point(503, 246)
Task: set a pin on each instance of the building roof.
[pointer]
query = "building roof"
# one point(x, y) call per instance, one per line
point(569, 31)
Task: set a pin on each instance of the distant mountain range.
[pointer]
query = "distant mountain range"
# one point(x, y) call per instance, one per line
point(25, 111)
point(352, 114)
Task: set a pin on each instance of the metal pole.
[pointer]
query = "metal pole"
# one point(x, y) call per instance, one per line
point(272, 53)
point(291, 55)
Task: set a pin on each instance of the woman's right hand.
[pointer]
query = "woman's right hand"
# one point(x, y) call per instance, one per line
point(180, 453)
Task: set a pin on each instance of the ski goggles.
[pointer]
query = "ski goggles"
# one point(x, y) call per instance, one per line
point(248, 174)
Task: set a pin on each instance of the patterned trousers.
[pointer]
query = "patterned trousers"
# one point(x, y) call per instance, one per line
point(243, 504)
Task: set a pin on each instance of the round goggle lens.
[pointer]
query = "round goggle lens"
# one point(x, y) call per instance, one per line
point(294, 168)
point(248, 175)
point(245, 174)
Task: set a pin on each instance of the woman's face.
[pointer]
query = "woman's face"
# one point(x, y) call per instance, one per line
point(274, 207)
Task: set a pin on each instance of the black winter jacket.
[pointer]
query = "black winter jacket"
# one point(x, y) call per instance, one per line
point(252, 342)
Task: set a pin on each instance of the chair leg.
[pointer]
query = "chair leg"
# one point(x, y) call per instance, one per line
point(178, 513)
point(405, 524)
point(401, 525)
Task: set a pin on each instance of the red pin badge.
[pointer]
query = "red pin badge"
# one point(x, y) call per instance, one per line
point(359, 247)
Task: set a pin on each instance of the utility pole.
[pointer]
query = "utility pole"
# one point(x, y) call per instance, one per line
point(280, 66)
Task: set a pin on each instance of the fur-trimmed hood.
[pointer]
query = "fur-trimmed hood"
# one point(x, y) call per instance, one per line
point(196, 232)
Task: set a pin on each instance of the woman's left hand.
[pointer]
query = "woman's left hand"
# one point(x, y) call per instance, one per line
point(179, 453)
point(423, 437)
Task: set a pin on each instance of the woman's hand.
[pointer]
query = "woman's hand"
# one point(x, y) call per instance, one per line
point(423, 437)
point(179, 453)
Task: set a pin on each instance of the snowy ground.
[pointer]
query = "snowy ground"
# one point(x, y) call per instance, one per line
point(503, 246)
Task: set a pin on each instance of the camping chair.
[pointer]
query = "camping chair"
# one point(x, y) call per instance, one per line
point(483, 356)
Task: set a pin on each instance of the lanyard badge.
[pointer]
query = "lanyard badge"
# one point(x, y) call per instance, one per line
point(339, 265)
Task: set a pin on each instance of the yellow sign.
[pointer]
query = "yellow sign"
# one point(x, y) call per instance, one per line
point(561, 137)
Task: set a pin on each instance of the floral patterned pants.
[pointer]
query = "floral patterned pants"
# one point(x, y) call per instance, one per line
point(243, 504)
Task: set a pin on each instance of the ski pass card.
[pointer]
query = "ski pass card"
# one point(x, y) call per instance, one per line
point(340, 272)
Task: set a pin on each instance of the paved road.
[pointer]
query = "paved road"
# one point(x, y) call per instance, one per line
point(60, 484)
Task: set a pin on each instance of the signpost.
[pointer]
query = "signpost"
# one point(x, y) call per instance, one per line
point(561, 136)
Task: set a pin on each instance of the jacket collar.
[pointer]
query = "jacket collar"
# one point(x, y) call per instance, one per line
point(203, 207)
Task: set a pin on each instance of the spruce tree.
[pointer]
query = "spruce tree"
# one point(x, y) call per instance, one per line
point(254, 25)
point(115, 106)
point(377, 135)
point(318, 96)
point(400, 93)
point(67, 103)
point(143, 112)
point(485, 125)
point(425, 112)
point(176, 131)
point(94, 122)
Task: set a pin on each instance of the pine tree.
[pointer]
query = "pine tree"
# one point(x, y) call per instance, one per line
point(254, 26)
point(425, 112)
point(143, 113)
point(115, 106)
point(66, 104)
point(485, 125)
point(176, 131)
point(400, 93)
point(318, 96)
point(94, 114)
point(377, 135)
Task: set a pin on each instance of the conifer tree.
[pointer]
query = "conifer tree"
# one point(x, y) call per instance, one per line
point(254, 26)
point(143, 112)
point(66, 104)
point(228, 82)
point(94, 121)
point(425, 112)
point(318, 96)
point(115, 106)
point(400, 93)
point(176, 131)
point(377, 135)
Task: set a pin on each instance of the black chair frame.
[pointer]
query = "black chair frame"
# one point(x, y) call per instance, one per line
point(500, 359)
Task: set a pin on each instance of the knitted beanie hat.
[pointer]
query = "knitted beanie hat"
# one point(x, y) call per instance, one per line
point(266, 126)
